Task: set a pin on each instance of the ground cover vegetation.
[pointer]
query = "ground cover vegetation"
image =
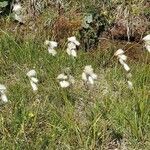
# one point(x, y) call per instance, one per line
point(75, 74)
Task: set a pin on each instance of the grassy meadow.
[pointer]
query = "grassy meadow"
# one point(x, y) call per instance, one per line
point(107, 116)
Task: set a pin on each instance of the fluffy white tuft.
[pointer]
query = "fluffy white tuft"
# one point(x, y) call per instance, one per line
point(74, 40)
point(119, 52)
point(64, 84)
point(31, 73)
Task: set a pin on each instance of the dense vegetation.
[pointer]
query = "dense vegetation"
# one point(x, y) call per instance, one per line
point(107, 116)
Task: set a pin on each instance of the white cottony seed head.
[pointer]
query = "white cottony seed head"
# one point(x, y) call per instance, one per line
point(31, 73)
point(33, 85)
point(119, 52)
point(47, 42)
point(94, 76)
point(53, 44)
point(74, 40)
point(90, 80)
point(4, 98)
point(2, 93)
point(51, 47)
point(148, 47)
point(126, 67)
point(17, 8)
point(130, 85)
point(52, 51)
point(71, 45)
point(2, 87)
point(84, 77)
point(64, 84)
point(33, 80)
point(146, 38)
point(123, 57)
point(62, 77)
point(88, 69)
point(65, 80)
point(88, 76)
point(73, 53)
point(71, 49)
point(19, 18)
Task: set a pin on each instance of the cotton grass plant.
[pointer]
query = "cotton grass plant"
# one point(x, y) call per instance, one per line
point(71, 47)
point(88, 76)
point(65, 79)
point(33, 79)
point(122, 58)
point(146, 39)
point(17, 10)
point(51, 47)
point(3, 93)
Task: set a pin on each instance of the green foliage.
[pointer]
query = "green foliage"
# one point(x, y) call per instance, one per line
point(5, 6)
point(109, 116)
point(94, 24)
point(147, 12)
point(3, 3)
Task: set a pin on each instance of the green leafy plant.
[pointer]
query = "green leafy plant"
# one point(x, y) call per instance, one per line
point(3, 5)
point(94, 24)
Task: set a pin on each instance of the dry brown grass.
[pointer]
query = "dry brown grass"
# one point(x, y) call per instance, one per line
point(65, 26)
